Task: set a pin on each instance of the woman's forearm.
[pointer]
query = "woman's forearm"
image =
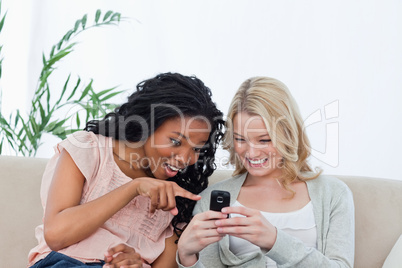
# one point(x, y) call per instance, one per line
point(76, 223)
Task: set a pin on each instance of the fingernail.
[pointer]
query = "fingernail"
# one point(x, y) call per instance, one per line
point(174, 211)
point(224, 210)
point(217, 223)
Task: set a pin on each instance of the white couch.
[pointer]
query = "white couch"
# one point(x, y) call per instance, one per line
point(378, 204)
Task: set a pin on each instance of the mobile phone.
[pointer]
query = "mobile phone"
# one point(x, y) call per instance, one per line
point(219, 200)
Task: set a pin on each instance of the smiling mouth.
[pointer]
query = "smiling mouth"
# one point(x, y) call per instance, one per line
point(174, 168)
point(257, 161)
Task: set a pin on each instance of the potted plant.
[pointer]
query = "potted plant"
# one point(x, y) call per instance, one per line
point(23, 132)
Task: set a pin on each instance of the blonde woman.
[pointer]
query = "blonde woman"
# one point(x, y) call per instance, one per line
point(282, 214)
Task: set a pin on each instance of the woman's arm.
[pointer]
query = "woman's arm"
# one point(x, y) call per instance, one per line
point(168, 257)
point(67, 222)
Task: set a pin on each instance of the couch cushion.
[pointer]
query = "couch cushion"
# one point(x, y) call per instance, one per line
point(378, 210)
point(394, 258)
point(21, 210)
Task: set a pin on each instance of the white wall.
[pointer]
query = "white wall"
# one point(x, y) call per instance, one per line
point(342, 60)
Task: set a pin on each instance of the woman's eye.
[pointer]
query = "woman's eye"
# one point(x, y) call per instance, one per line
point(197, 150)
point(175, 142)
point(265, 141)
point(239, 140)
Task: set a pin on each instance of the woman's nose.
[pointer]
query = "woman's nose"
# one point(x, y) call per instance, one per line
point(252, 150)
point(185, 157)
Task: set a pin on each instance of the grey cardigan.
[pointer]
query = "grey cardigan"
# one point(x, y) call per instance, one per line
point(334, 216)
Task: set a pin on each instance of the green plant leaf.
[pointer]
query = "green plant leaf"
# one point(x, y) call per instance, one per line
point(52, 51)
point(44, 59)
point(44, 118)
point(67, 36)
point(64, 89)
point(19, 134)
point(94, 97)
point(43, 82)
point(2, 21)
point(59, 44)
point(111, 95)
point(84, 21)
point(116, 17)
point(3, 121)
point(61, 122)
point(60, 133)
point(78, 120)
point(86, 90)
point(59, 130)
point(107, 15)
point(51, 126)
point(103, 92)
point(8, 133)
point(75, 88)
point(34, 126)
point(77, 25)
point(17, 118)
point(97, 15)
point(48, 98)
point(55, 124)
point(27, 131)
point(61, 54)
point(24, 135)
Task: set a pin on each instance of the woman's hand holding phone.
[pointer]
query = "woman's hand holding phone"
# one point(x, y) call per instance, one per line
point(254, 227)
point(200, 232)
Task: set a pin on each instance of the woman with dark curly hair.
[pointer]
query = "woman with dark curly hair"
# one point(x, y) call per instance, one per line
point(119, 192)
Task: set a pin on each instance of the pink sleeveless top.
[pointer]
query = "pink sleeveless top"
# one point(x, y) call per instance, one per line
point(132, 225)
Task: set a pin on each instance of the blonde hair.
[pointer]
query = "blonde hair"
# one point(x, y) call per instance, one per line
point(271, 99)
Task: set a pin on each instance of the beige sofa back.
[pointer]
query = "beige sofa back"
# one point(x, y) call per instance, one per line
point(378, 204)
point(20, 180)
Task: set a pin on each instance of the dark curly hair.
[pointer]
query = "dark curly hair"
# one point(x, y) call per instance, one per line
point(156, 100)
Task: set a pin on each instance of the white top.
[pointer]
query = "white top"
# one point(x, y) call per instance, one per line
point(299, 223)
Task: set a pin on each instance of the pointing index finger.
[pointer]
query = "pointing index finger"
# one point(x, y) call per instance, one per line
point(178, 191)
